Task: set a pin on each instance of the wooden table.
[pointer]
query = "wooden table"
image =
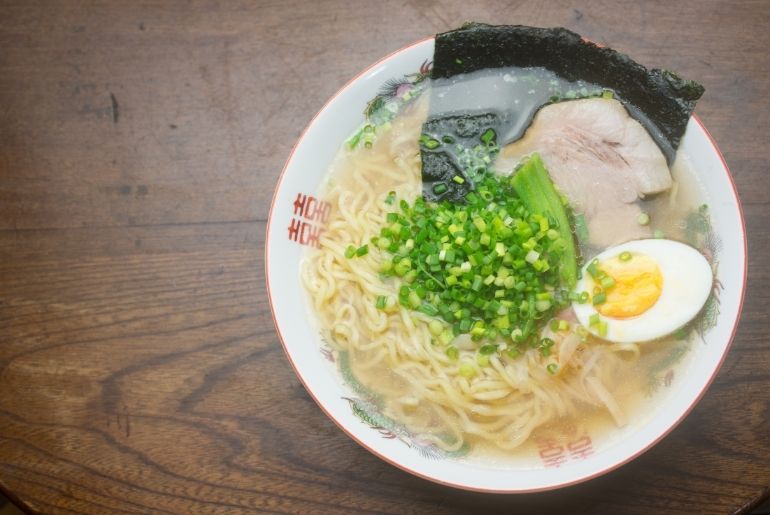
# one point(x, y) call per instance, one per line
point(139, 146)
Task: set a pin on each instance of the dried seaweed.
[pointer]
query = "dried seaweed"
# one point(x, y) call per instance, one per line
point(660, 100)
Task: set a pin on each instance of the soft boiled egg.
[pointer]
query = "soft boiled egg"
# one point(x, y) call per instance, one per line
point(642, 290)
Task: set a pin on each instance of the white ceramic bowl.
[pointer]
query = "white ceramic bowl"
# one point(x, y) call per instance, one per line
point(548, 467)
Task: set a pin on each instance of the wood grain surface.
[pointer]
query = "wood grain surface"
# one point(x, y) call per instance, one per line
point(140, 142)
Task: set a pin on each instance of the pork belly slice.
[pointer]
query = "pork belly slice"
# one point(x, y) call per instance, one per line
point(601, 159)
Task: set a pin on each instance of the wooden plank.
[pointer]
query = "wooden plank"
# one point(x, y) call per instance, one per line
point(139, 146)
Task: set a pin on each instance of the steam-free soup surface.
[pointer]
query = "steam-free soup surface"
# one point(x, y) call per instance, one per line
point(397, 369)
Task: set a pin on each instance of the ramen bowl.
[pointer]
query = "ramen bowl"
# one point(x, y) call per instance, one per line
point(297, 216)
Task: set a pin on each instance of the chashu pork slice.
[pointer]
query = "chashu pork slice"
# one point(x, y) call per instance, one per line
point(601, 159)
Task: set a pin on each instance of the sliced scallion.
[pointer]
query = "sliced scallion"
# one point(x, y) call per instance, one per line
point(607, 282)
point(467, 370)
point(439, 188)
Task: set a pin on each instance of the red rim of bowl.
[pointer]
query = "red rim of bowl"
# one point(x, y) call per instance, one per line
point(460, 485)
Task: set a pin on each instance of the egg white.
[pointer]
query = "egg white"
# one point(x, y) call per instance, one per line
point(687, 282)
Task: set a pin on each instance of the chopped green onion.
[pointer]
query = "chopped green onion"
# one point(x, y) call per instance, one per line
point(350, 251)
point(410, 276)
point(491, 267)
point(488, 349)
point(402, 267)
point(362, 250)
point(446, 337)
point(439, 188)
point(658, 234)
point(532, 256)
point(382, 301)
point(601, 328)
point(643, 219)
point(458, 179)
point(428, 142)
point(545, 346)
point(488, 136)
point(599, 298)
point(607, 282)
point(390, 198)
point(593, 268)
point(552, 368)
point(625, 256)
point(429, 309)
point(467, 370)
point(452, 353)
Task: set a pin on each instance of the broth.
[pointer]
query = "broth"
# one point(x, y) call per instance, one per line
point(393, 363)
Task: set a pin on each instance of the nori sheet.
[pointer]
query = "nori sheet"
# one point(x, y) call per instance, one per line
point(660, 100)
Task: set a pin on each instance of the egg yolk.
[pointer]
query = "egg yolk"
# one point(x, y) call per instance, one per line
point(638, 284)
